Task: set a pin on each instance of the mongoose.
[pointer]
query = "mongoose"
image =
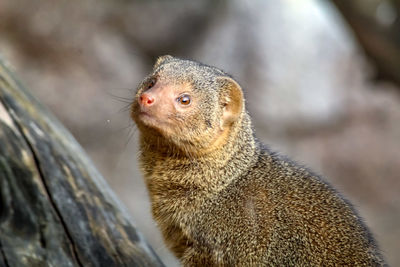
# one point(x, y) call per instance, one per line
point(222, 198)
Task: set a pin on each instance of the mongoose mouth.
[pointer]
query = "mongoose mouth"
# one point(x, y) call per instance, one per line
point(152, 121)
point(147, 118)
point(144, 114)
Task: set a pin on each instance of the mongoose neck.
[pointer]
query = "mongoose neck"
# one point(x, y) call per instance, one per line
point(218, 167)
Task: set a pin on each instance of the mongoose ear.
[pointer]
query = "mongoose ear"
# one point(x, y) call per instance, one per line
point(161, 60)
point(231, 96)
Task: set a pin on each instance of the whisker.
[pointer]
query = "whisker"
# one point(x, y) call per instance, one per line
point(131, 133)
point(130, 125)
point(120, 98)
point(125, 108)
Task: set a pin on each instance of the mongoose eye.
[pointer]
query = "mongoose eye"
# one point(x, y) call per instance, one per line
point(184, 100)
point(151, 83)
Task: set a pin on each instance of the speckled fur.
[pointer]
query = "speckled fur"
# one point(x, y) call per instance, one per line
point(236, 203)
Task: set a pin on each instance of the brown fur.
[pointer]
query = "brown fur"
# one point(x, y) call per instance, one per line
point(219, 196)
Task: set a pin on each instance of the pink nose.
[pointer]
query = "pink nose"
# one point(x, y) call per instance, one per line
point(146, 100)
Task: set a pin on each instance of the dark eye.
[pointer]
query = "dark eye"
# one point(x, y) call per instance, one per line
point(151, 83)
point(184, 100)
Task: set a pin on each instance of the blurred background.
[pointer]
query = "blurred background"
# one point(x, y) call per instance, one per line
point(322, 81)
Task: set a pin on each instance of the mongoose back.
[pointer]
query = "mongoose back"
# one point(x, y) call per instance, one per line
point(219, 196)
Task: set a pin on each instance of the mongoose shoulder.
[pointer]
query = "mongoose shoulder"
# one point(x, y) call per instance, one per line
point(220, 197)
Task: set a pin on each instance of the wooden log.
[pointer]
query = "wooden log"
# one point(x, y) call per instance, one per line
point(55, 207)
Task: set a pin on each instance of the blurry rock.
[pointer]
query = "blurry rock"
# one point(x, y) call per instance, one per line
point(159, 27)
point(292, 58)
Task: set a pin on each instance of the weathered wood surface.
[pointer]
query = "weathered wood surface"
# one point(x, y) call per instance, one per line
point(55, 207)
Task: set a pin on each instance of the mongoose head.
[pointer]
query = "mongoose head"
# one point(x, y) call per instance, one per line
point(188, 104)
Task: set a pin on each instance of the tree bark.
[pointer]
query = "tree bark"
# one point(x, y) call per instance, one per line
point(55, 207)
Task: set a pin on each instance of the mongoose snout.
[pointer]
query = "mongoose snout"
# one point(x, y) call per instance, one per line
point(146, 100)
